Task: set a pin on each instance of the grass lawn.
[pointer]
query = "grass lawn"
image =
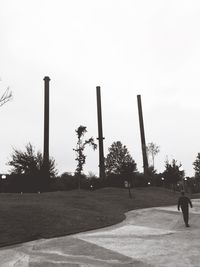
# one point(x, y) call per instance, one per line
point(32, 216)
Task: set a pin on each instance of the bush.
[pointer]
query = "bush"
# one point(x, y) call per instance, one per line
point(114, 180)
point(140, 180)
point(16, 183)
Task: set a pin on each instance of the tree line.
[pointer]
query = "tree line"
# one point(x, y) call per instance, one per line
point(25, 174)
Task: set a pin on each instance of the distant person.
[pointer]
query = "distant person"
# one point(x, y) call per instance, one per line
point(184, 203)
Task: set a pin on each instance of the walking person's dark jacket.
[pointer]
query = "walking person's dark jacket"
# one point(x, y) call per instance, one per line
point(184, 203)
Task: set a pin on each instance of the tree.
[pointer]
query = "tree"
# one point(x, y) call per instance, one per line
point(196, 167)
point(80, 146)
point(153, 150)
point(172, 173)
point(117, 158)
point(29, 162)
point(128, 169)
point(6, 96)
point(151, 174)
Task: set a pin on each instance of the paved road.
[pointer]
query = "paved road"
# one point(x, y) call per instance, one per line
point(148, 237)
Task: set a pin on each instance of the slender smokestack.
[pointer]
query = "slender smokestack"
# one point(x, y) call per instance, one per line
point(46, 126)
point(142, 134)
point(100, 138)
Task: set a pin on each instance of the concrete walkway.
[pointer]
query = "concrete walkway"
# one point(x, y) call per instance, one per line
point(148, 237)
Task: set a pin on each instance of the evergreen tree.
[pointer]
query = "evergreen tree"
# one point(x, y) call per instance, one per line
point(196, 165)
point(117, 158)
point(172, 173)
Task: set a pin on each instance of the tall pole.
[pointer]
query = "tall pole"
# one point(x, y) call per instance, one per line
point(100, 137)
point(142, 134)
point(46, 128)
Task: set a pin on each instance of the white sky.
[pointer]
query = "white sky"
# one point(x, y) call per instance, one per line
point(127, 47)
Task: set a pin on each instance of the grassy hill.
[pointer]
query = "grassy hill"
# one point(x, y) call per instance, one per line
point(32, 216)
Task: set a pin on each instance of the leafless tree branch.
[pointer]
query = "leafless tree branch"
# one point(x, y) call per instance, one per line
point(7, 96)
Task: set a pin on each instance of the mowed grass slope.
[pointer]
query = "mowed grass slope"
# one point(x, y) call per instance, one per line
point(32, 216)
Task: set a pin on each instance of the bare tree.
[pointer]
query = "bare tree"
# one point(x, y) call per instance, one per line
point(153, 150)
point(6, 96)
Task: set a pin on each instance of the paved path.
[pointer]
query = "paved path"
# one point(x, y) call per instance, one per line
point(148, 237)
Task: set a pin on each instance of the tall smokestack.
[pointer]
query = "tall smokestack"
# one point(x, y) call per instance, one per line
point(100, 138)
point(46, 127)
point(142, 134)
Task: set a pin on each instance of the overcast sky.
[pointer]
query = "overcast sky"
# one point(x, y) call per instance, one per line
point(127, 47)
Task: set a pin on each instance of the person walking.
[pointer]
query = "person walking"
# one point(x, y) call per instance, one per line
point(184, 203)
